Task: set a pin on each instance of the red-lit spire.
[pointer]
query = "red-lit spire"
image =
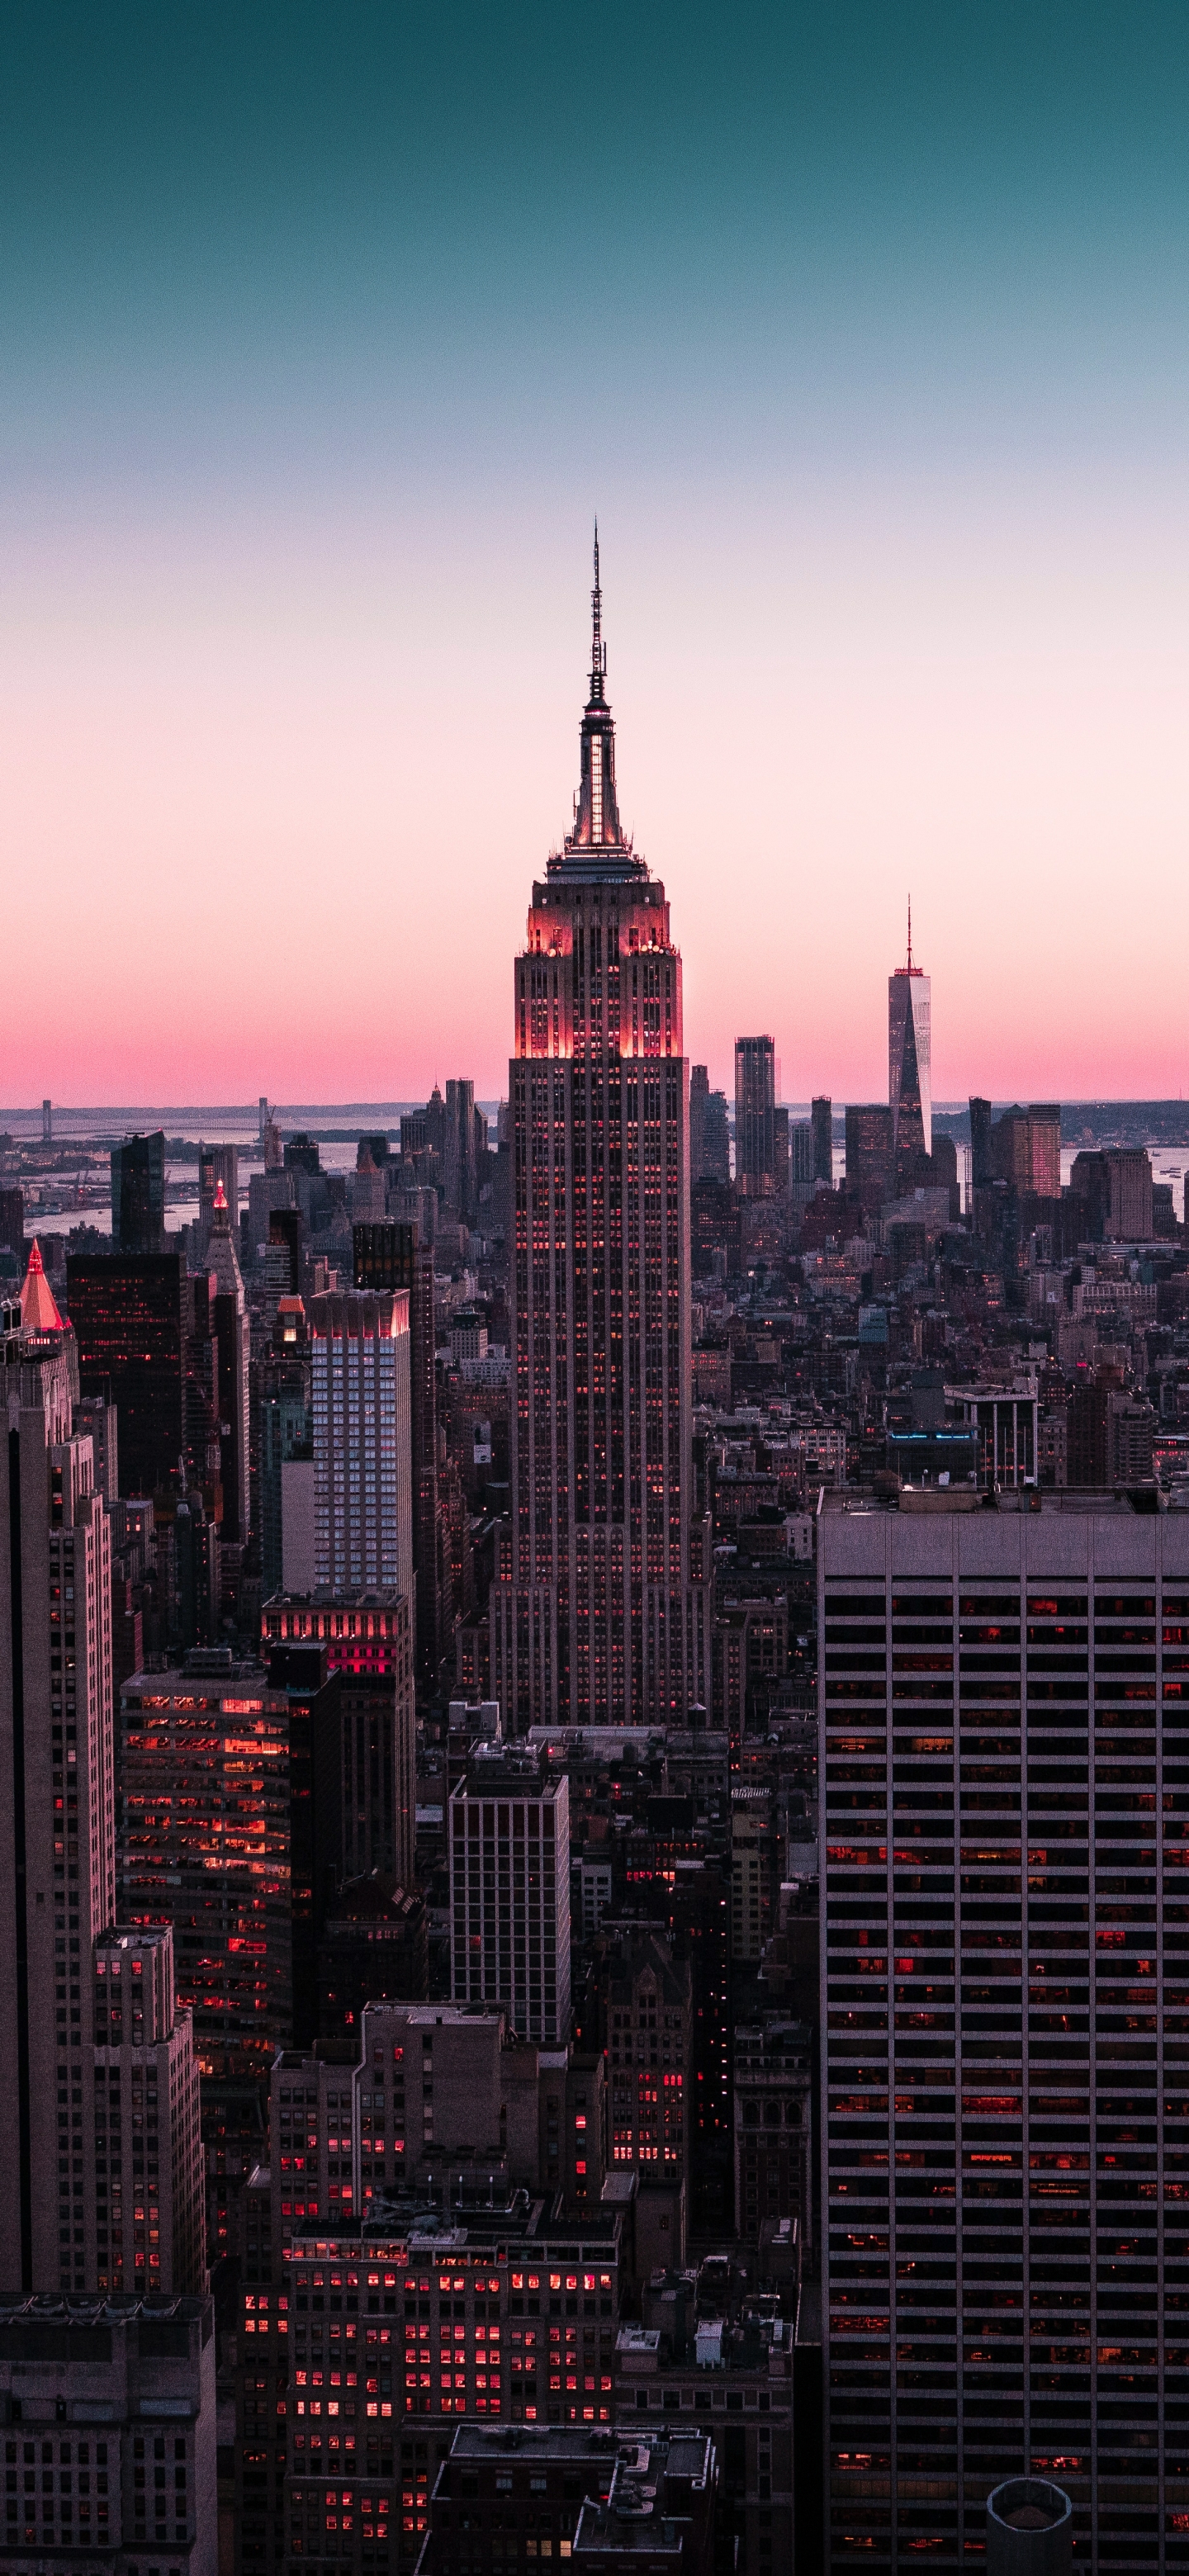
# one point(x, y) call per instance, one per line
point(598, 650)
point(39, 1312)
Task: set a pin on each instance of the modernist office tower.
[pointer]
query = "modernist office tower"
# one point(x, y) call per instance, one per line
point(510, 1893)
point(1005, 2016)
point(363, 1515)
point(755, 1112)
point(910, 1091)
point(595, 1614)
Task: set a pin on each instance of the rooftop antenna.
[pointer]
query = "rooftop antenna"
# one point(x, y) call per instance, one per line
point(910, 934)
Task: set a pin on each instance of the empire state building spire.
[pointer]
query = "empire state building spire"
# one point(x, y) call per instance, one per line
point(597, 833)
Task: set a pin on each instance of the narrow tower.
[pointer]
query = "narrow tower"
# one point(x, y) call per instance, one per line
point(600, 1611)
point(910, 1089)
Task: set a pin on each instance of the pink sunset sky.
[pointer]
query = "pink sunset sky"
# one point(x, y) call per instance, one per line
point(277, 790)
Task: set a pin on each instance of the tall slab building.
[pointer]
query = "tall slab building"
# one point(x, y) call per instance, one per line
point(600, 1609)
point(1004, 1706)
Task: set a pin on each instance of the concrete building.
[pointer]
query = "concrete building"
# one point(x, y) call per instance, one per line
point(149, 2182)
point(395, 1256)
point(773, 2106)
point(1002, 2085)
point(509, 1852)
point(363, 1505)
point(821, 1120)
point(230, 1332)
point(109, 2435)
point(709, 1132)
point(600, 1607)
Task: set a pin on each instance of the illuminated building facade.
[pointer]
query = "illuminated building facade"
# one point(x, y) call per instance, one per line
point(910, 1089)
point(599, 1609)
point(363, 1517)
point(204, 1844)
point(1004, 1714)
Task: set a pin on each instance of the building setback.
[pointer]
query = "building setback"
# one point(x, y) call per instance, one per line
point(1004, 1715)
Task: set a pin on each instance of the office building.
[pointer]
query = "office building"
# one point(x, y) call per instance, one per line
point(138, 1194)
point(150, 2223)
point(218, 1168)
point(230, 1334)
point(57, 1877)
point(910, 1093)
point(1004, 1732)
point(57, 1886)
point(870, 1158)
point(709, 1129)
point(821, 1120)
point(132, 1316)
point(600, 1606)
point(982, 1171)
point(772, 2089)
point(755, 1113)
point(646, 2036)
point(12, 1222)
point(109, 2434)
point(509, 1839)
point(363, 1517)
point(286, 1443)
point(204, 1845)
point(389, 1257)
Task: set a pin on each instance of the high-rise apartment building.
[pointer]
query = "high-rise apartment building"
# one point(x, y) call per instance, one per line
point(133, 1319)
point(821, 1119)
point(599, 1607)
point(218, 1167)
point(138, 1193)
point(116, 2405)
point(1004, 1715)
point(910, 1092)
point(57, 1883)
point(509, 1833)
point(388, 1257)
point(363, 1515)
point(755, 1113)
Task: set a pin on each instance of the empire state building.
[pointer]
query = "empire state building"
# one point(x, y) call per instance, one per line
point(601, 1608)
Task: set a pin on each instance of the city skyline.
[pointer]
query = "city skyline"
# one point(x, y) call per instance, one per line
point(300, 478)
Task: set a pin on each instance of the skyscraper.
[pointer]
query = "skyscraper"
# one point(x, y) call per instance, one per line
point(1005, 2123)
point(821, 1119)
point(67, 2212)
point(138, 1193)
point(709, 1134)
point(510, 1892)
point(755, 1113)
point(229, 1317)
point(599, 1606)
point(395, 1256)
point(909, 1083)
point(363, 1517)
point(133, 1319)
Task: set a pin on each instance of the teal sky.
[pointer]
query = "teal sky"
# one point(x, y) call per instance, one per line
point(325, 332)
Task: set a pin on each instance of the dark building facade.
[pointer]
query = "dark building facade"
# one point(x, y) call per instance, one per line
point(133, 1318)
point(138, 1193)
point(755, 1112)
point(821, 1120)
